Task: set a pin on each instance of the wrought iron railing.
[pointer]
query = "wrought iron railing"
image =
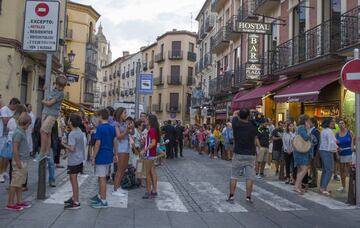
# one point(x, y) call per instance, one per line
point(218, 38)
point(209, 22)
point(350, 27)
point(246, 10)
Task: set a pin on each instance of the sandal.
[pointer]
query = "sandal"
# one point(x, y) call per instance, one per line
point(298, 191)
point(326, 193)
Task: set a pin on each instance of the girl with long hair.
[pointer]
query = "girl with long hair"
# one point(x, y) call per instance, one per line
point(149, 154)
point(122, 154)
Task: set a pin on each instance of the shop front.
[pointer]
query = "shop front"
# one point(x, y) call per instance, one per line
point(68, 107)
point(318, 96)
point(260, 99)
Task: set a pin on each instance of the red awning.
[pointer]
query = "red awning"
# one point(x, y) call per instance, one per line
point(307, 89)
point(234, 104)
point(253, 98)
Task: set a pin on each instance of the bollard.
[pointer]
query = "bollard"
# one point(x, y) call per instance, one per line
point(352, 188)
point(41, 190)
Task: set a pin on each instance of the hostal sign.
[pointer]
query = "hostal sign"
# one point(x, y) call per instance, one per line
point(254, 27)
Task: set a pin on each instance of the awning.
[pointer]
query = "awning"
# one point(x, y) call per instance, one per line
point(234, 104)
point(307, 89)
point(221, 116)
point(254, 97)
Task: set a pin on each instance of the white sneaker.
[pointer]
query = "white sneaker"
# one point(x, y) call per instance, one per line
point(6, 175)
point(117, 193)
point(121, 190)
point(341, 189)
point(259, 176)
point(2, 179)
point(215, 157)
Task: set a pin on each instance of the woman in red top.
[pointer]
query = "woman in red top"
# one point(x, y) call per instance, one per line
point(149, 154)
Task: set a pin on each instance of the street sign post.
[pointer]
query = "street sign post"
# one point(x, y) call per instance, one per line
point(40, 35)
point(350, 76)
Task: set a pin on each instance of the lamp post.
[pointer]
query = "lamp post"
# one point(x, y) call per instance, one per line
point(71, 56)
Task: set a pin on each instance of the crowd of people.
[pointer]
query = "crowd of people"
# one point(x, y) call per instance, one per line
point(116, 145)
point(296, 148)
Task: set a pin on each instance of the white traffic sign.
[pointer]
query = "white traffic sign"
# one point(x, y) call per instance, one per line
point(41, 25)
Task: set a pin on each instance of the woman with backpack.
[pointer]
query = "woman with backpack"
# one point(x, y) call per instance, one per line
point(228, 141)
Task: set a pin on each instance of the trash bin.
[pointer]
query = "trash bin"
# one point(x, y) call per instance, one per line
point(352, 187)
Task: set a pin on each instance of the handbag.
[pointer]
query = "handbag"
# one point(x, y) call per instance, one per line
point(6, 151)
point(300, 145)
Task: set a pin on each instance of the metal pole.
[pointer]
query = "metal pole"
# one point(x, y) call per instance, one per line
point(357, 128)
point(41, 190)
point(137, 96)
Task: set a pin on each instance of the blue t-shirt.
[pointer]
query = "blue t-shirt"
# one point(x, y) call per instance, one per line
point(106, 134)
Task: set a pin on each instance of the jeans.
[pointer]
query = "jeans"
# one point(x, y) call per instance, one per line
point(51, 166)
point(327, 164)
point(289, 164)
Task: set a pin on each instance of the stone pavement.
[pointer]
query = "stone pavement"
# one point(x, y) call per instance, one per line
point(192, 193)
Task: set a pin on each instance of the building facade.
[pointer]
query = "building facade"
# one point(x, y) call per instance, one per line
point(22, 73)
point(82, 41)
point(290, 65)
point(171, 60)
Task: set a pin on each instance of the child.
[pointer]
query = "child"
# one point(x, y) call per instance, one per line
point(50, 113)
point(212, 142)
point(19, 172)
point(76, 150)
point(103, 156)
point(161, 149)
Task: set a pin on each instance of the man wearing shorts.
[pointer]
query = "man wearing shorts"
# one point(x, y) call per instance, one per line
point(262, 142)
point(244, 153)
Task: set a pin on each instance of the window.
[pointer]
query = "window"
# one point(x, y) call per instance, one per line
point(162, 49)
point(159, 98)
point(24, 85)
point(299, 19)
point(274, 35)
point(174, 101)
point(190, 75)
point(161, 73)
point(191, 47)
point(176, 48)
point(175, 74)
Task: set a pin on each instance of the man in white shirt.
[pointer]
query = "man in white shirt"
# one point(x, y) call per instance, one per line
point(6, 113)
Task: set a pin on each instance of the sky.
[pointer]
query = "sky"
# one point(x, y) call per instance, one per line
point(131, 24)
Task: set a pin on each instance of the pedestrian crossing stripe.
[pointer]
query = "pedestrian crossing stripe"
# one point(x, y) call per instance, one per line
point(217, 198)
point(273, 200)
point(64, 192)
point(168, 199)
point(314, 197)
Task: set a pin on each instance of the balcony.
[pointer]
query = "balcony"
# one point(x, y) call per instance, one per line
point(88, 97)
point(217, 5)
point(173, 108)
point(159, 58)
point(127, 74)
point(245, 12)
point(350, 33)
point(174, 80)
point(202, 33)
point(268, 64)
point(209, 22)
point(263, 6)
point(315, 48)
point(199, 66)
point(132, 72)
point(175, 55)
point(219, 41)
point(69, 34)
point(157, 108)
point(191, 56)
point(190, 80)
point(104, 79)
point(231, 30)
point(151, 64)
point(158, 81)
point(207, 59)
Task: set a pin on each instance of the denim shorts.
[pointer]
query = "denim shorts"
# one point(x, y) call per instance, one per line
point(123, 146)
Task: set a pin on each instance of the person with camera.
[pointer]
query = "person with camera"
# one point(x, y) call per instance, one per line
point(244, 153)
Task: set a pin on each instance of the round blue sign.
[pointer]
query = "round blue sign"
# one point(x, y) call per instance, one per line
point(172, 115)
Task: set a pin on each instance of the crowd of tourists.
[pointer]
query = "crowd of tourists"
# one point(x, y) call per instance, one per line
point(296, 148)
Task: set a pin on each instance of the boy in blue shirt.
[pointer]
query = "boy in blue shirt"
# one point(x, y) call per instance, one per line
point(103, 156)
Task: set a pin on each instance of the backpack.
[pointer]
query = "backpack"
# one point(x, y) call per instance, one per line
point(129, 180)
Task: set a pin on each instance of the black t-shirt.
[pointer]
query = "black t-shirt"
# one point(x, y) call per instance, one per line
point(179, 132)
point(244, 137)
point(277, 144)
point(170, 132)
point(263, 135)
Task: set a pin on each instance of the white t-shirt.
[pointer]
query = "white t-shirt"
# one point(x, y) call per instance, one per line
point(11, 126)
point(4, 112)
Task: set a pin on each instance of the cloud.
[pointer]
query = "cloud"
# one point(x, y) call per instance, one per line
point(130, 24)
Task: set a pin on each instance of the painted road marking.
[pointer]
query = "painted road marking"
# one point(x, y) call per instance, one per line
point(216, 198)
point(64, 192)
point(168, 199)
point(116, 201)
point(314, 197)
point(272, 199)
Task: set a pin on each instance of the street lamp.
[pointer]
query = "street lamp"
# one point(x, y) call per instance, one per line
point(71, 56)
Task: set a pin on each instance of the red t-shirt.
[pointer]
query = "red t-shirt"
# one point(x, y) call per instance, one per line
point(150, 136)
